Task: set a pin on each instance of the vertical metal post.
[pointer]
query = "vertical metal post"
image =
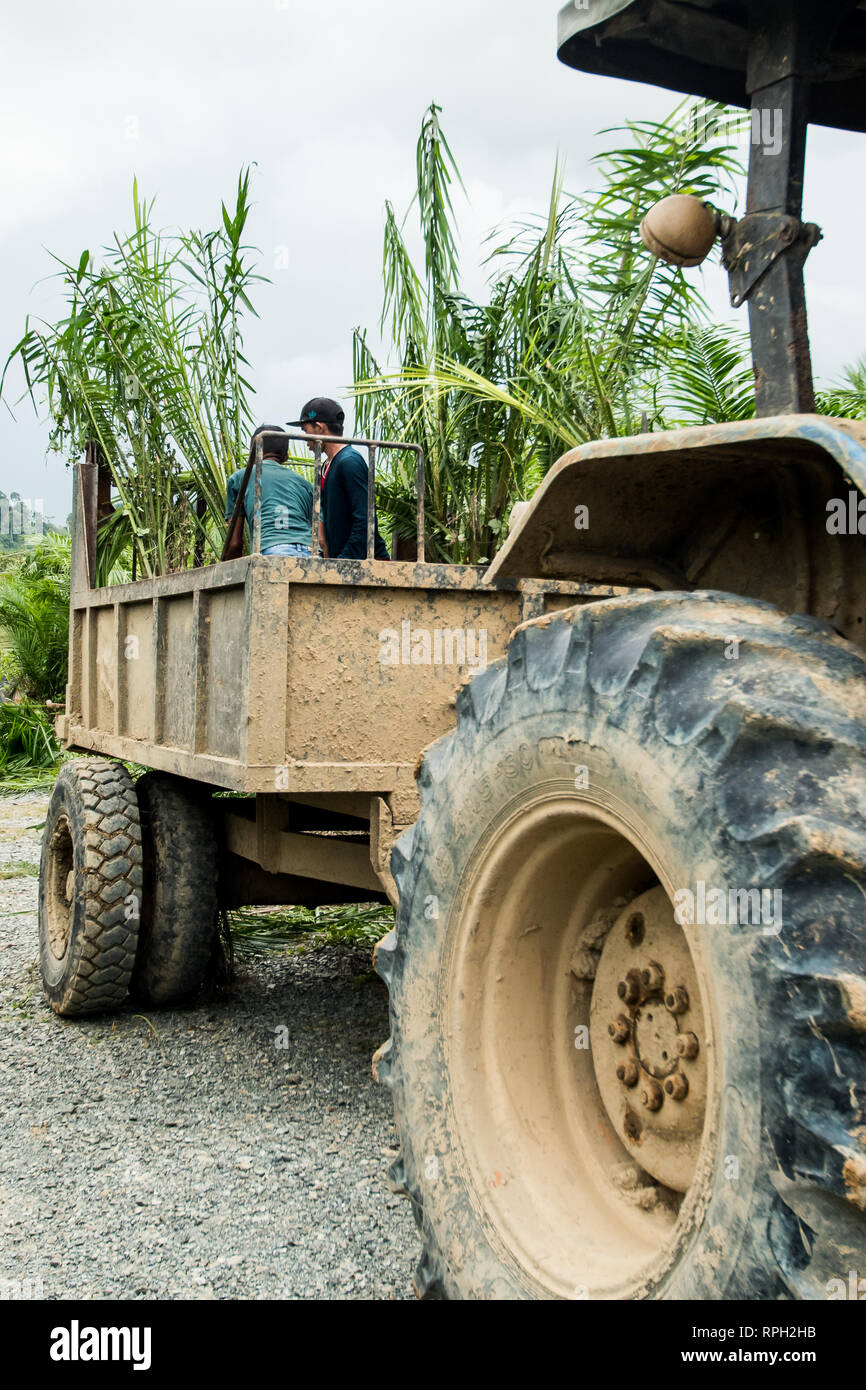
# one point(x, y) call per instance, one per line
point(371, 503)
point(88, 682)
point(238, 510)
point(158, 652)
point(201, 666)
point(200, 516)
point(777, 306)
point(118, 619)
point(257, 500)
point(781, 32)
point(88, 492)
point(317, 498)
point(420, 489)
point(104, 506)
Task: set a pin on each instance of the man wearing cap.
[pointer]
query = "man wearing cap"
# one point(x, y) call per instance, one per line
point(287, 502)
point(344, 485)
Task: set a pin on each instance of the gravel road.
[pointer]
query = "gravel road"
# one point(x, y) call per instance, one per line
point(179, 1153)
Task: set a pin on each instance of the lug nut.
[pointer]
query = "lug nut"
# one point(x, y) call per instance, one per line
point(634, 929)
point(677, 1001)
point(629, 989)
point(628, 1073)
point(677, 1086)
point(653, 977)
point(620, 1029)
point(652, 1095)
point(687, 1046)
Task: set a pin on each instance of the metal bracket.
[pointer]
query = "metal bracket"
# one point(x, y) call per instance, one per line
point(754, 244)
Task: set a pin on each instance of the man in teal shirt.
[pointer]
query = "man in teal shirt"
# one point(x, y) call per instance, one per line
point(287, 503)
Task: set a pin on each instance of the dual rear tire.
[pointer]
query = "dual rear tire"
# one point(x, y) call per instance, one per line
point(179, 911)
point(127, 889)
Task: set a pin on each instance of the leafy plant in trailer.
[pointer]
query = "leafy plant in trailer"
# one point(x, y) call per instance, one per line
point(148, 365)
point(574, 341)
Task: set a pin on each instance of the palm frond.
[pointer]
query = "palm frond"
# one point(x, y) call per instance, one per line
point(710, 378)
point(571, 342)
point(148, 365)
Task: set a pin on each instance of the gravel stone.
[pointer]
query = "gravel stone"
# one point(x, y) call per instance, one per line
point(177, 1153)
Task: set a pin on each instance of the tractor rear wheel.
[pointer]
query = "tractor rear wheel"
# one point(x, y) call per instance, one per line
point(628, 974)
point(89, 888)
point(179, 926)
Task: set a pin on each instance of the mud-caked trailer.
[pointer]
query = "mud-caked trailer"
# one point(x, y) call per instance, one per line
point(627, 847)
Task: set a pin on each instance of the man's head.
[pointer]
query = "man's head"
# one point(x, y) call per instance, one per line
point(320, 416)
point(273, 448)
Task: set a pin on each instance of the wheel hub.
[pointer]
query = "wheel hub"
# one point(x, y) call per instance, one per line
point(61, 888)
point(540, 940)
point(655, 1039)
point(649, 1040)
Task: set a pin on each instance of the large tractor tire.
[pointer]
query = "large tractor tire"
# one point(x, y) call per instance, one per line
point(89, 888)
point(179, 925)
point(628, 974)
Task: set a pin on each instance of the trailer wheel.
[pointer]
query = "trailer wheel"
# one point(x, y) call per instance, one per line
point(89, 888)
point(611, 1078)
point(179, 905)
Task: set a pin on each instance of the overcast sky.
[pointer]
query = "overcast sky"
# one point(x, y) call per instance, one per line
point(326, 97)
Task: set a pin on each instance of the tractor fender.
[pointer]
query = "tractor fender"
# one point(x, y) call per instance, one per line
point(771, 509)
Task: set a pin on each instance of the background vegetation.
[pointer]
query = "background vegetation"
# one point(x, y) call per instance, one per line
point(34, 620)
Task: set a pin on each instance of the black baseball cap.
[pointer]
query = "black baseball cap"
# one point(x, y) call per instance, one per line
point(321, 410)
point(275, 448)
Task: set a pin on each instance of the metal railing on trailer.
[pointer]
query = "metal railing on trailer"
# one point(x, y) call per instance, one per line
point(254, 467)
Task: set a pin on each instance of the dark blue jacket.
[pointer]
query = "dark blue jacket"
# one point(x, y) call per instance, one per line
point(344, 508)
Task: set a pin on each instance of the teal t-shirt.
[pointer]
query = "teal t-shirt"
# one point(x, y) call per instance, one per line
point(287, 504)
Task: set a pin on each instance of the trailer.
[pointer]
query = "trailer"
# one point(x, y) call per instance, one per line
point(303, 689)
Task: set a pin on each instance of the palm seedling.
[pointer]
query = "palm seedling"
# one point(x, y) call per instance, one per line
point(147, 367)
point(572, 343)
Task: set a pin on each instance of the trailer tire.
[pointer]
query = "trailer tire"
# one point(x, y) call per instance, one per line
point(90, 878)
point(179, 925)
point(725, 744)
